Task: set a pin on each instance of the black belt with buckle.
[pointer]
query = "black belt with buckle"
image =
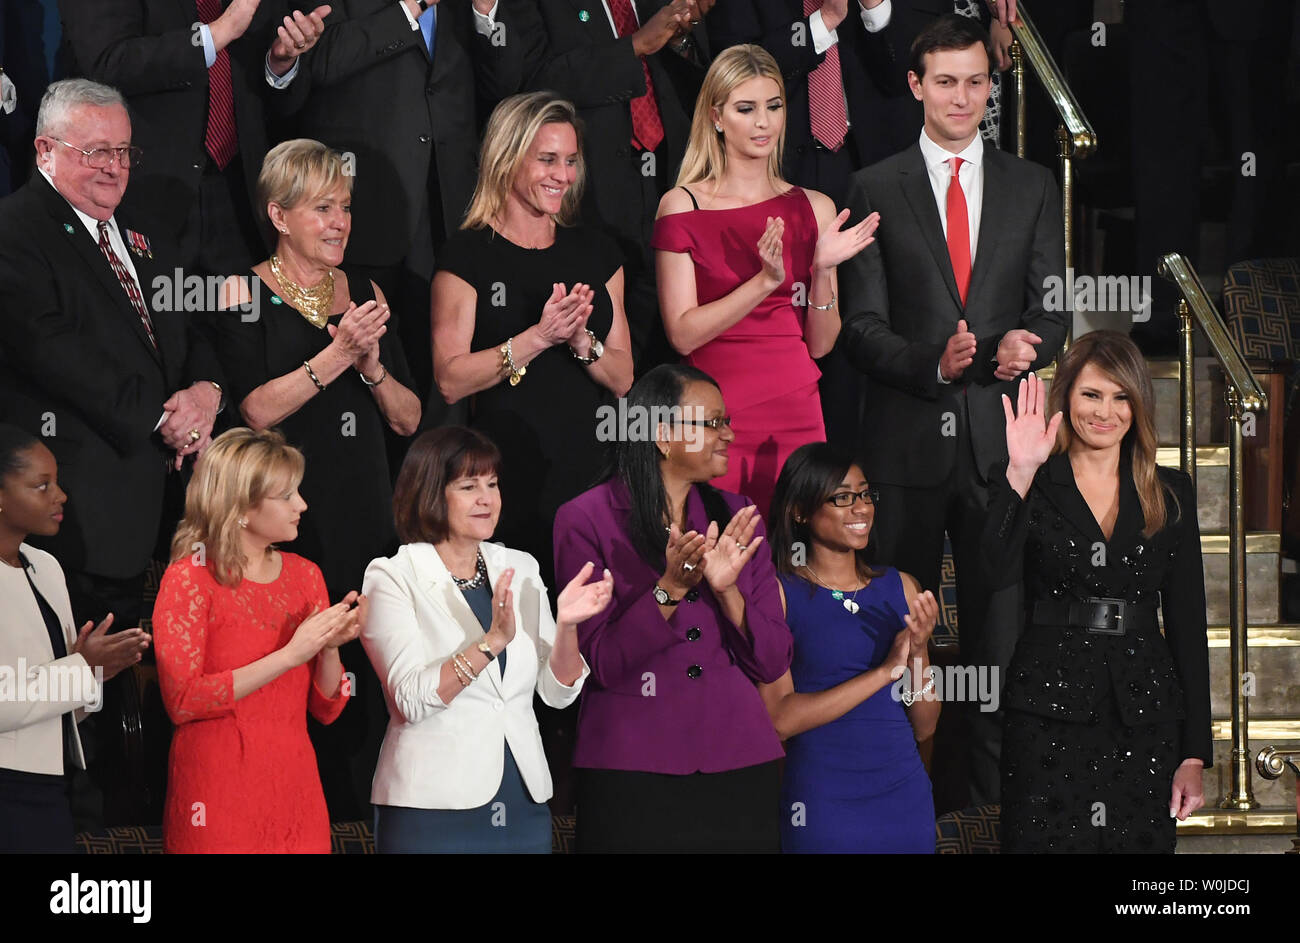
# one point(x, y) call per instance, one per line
point(1098, 615)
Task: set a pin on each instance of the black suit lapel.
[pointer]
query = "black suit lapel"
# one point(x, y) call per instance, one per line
point(88, 249)
point(1062, 491)
point(994, 211)
point(915, 182)
point(591, 13)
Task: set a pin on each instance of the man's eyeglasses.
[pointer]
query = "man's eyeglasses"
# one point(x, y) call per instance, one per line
point(100, 157)
point(846, 499)
point(713, 424)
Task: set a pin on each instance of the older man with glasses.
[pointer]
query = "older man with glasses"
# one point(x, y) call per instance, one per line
point(120, 387)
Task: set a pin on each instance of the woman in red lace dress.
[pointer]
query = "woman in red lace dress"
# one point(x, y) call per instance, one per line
point(746, 269)
point(247, 643)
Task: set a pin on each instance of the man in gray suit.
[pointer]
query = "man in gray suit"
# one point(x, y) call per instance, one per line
point(940, 313)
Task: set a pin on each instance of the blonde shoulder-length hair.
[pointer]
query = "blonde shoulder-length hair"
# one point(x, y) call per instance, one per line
point(239, 469)
point(706, 156)
point(510, 132)
point(1115, 355)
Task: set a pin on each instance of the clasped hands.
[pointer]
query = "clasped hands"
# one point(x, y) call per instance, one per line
point(717, 558)
point(1015, 353)
point(187, 411)
point(669, 22)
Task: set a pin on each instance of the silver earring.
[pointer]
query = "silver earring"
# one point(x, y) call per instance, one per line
point(718, 128)
point(243, 522)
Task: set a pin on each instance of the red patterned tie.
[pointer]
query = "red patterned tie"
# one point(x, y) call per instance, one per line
point(128, 283)
point(827, 112)
point(647, 126)
point(220, 140)
point(958, 229)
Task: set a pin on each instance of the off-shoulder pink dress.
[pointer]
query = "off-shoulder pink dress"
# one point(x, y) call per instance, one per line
point(767, 376)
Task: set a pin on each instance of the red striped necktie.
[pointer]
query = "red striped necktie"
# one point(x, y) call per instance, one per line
point(221, 139)
point(828, 115)
point(128, 283)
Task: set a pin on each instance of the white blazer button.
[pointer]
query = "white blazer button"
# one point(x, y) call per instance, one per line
point(498, 705)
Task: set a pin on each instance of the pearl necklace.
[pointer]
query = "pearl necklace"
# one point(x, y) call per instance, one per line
point(838, 595)
point(475, 581)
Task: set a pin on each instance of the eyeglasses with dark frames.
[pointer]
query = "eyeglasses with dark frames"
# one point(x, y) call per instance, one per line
point(98, 158)
point(846, 499)
point(714, 424)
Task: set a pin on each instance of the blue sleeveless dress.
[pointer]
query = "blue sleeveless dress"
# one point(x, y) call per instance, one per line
point(857, 783)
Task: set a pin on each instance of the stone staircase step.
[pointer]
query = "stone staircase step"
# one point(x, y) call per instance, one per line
point(1263, 577)
point(1274, 659)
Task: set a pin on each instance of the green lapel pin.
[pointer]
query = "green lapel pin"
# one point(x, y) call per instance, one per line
point(584, 15)
point(67, 227)
point(275, 300)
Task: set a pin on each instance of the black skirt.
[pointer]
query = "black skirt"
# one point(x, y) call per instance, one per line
point(629, 811)
point(1094, 787)
point(35, 813)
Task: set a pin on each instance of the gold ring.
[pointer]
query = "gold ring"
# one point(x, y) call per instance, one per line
point(195, 435)
point(299, 45)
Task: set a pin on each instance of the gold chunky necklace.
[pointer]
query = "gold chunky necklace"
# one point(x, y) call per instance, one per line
point(312, 303)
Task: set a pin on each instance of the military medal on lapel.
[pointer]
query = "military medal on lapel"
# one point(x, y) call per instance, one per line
point(138, 244)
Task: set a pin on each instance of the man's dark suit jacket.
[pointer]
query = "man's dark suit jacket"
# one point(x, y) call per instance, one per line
point(77, 370)
point(900, 305)
point(376, 95)
point(883, 115)
point(150, 51)
point(1050, 539)
point(600, 74)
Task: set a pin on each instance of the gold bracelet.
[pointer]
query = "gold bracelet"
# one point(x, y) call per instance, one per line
point(383, 375)
point(468, 667)
point(508, 363)
point(460, 674)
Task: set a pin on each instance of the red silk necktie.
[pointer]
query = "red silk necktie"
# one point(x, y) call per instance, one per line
point(221, 139)
point(958, 229)
point(827, 114)
point(647, 126)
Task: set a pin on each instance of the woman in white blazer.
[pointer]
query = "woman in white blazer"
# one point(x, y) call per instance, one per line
point(50, 674)
point(460, 633)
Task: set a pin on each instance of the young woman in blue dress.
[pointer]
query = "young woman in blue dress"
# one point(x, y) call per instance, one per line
point(849, 713)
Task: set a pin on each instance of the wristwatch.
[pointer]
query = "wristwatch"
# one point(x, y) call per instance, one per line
point(486, 649)
point(597, 351)
point(663, 598)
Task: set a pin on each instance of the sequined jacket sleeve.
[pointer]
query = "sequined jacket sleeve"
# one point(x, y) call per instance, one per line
point(180, 622)
point(1182, 601)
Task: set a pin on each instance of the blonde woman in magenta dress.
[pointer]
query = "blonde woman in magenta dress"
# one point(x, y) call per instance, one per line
point(746, 269)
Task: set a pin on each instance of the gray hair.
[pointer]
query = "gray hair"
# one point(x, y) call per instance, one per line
point(61, 97)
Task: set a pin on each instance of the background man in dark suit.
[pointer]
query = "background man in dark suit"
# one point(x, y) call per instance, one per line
point(633, 71)
point(119, 387)
point(403, 90)
point(939, 312)
point(22, 60)
point(201, 79)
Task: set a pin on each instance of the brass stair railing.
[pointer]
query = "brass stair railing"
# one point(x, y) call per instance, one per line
point(1243, 395)
point(1271, 763)
point(1075, 138)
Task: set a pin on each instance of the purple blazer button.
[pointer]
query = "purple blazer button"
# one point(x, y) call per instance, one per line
point(693, 634)
point(694, 671)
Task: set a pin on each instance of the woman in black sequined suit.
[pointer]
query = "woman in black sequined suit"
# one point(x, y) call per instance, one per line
point(1107, 723)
